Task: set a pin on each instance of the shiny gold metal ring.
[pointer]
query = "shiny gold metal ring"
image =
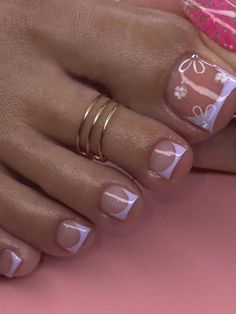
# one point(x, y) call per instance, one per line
point(99, 155)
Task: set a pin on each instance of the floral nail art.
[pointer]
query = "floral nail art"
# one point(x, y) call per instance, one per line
point(202, 109)
point(181, 92)
point(222, 77)
point(202, 118)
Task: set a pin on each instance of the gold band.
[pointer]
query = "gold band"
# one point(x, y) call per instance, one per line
point(99, 156)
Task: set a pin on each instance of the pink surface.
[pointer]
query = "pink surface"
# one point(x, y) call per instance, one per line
point(179, 257)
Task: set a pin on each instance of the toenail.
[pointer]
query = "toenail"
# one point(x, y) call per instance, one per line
point(198, 90)
point(71, 235)
point(10, 262)
point(118, 202)
point(216, 18)
point(165, 158)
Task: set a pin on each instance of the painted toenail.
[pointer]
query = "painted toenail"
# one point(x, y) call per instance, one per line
point(10, 262)
point(71, 235)
point(118, 202)
point(165, 158)
point(215, 18)
point(198, 90)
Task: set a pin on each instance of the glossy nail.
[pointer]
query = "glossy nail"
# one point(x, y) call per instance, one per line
point(117, 201)
point(9, 262)
point(165, 158)
point(215, 18)
point(71, 235)
point(198, 90)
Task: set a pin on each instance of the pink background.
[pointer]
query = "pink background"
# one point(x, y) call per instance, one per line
point(178, 257)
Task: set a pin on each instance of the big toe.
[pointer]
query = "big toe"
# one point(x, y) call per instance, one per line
point(156, 63)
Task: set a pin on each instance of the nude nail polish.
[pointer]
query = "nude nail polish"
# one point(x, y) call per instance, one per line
point(166, 157)
point(199, 90)
point(71, 235)
point(10, 262)
point(215, 18)
point(117, 201)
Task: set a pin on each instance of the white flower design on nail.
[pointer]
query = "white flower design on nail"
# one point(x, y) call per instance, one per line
point(203, 118)
point(198, 65)
point(181, 92)
point(222, 77)
point(195, 65)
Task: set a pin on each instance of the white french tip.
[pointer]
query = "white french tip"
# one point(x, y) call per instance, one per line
point(179, 152)
point(16, 261)
point(206, 120)
point(131, 199)
point(84, 233)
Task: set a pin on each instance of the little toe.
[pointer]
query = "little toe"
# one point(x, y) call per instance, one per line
point(17, 259)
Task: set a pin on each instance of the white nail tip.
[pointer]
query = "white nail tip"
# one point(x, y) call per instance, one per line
point(131, 199)
point(179, 152)
point(16, 261)
point(206, 119)
point(84, 233)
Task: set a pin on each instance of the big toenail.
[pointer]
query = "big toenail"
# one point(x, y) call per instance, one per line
point(71, 235)
point(165, 158)
point(117, 201)
point(198, 90)
point(9, 262)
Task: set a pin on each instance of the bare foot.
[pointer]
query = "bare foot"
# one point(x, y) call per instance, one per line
point(51, 198)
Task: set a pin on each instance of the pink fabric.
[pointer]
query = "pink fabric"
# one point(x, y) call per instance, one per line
point(179, 257)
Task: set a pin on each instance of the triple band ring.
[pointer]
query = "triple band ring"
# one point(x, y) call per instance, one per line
point(100, 112)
